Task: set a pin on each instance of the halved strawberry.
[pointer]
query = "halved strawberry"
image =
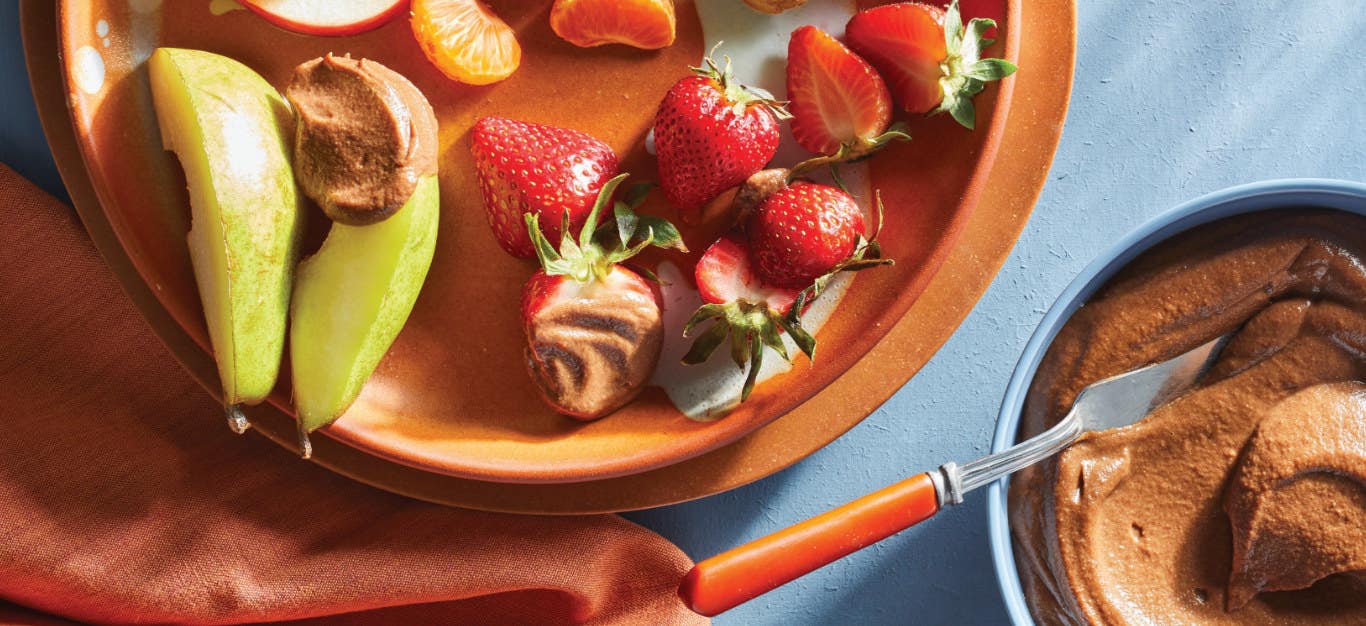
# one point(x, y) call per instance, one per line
point(725, 273)
point(838, 102)
point(929, 60)
point(545, 170)
point(743, 310)
point(594, 328)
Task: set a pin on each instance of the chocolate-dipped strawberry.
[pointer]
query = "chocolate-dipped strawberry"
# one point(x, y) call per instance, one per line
point(594, 327)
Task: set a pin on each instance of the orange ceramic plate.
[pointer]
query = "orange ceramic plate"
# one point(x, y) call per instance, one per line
point(141, 209)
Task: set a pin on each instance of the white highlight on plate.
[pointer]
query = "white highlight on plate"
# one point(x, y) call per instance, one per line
point(219, 7)
point(709, 390)
point(88, 70)
point(142, 30)
point(102, 28)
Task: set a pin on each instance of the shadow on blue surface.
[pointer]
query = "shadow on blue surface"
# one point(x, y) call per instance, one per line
point(22, 145)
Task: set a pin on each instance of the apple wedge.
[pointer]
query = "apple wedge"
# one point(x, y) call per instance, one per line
point(231, 131)
point(351, 300)
point(327, 18)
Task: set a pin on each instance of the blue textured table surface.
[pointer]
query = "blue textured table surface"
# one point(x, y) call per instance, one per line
point(1173, 99)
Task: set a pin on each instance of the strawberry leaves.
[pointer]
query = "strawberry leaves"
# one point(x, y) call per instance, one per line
point(851, 152)
point(965, 72)
point(597, 249)
point(739, 95)
point(750, 327)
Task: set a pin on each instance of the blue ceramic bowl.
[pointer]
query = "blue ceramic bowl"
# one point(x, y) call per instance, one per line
point(1273, 194)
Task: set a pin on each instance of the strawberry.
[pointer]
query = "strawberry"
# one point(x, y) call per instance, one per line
point(593, 327)
point(711, 133)
point(839, 104)
point(725, 273)
point(931, 62)
point(547, 171)
point(752, 314)
point(741, 308)
point(801, 232)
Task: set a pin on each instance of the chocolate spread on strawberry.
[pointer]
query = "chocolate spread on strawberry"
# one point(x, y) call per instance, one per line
point(364, 135)
point(1242, 501)
point(592, 346)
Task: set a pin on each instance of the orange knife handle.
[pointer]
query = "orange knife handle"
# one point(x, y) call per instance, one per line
point(741, 574)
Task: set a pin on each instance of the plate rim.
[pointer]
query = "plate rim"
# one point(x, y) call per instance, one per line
point(701, 476)
point(717, 434)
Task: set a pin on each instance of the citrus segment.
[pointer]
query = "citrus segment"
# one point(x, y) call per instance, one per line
point(646, 24)
point(466, 40)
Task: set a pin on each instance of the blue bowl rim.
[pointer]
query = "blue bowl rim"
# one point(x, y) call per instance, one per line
point(1280, 193)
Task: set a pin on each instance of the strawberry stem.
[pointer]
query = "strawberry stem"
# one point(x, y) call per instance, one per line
point(965, 73)
point(739, 95)
point(750, 327)
point(598, 249)
point(852, 151)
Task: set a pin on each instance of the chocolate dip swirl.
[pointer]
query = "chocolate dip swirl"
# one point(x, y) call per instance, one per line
point(590, 352)
point(363, 136)
point(1240, 502)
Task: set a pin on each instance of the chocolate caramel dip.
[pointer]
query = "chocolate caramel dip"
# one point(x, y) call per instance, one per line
point(1243, 501)
point(364, 135)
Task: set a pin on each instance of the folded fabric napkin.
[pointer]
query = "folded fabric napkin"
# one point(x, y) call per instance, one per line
point(124, 499)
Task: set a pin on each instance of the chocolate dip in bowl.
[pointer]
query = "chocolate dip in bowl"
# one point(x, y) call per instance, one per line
point(1217, 508)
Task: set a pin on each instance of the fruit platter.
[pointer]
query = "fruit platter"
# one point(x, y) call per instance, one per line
point(457, 248)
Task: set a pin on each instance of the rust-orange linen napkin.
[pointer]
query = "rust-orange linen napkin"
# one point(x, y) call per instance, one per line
point(124, 499)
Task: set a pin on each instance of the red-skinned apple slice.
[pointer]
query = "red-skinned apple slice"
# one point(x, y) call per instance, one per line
point(327, 18)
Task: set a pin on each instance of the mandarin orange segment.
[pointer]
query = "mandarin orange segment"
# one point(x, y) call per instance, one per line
point(646, 24)
point(466, 40)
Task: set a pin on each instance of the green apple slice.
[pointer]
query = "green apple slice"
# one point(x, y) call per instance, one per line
point(350, 301)
point(231, 131)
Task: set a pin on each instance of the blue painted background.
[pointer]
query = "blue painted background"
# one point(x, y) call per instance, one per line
point(1173, 99)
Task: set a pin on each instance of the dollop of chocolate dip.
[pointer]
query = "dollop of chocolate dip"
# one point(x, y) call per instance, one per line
point(1311, 447)
point(594, 347)
point(1242, 501)
point(363, 136)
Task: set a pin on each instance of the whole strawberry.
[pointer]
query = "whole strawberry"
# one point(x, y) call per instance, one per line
point(930, 61)
point(711, 133)
point(594, 328)
point(802, 231)
point(538, 169)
